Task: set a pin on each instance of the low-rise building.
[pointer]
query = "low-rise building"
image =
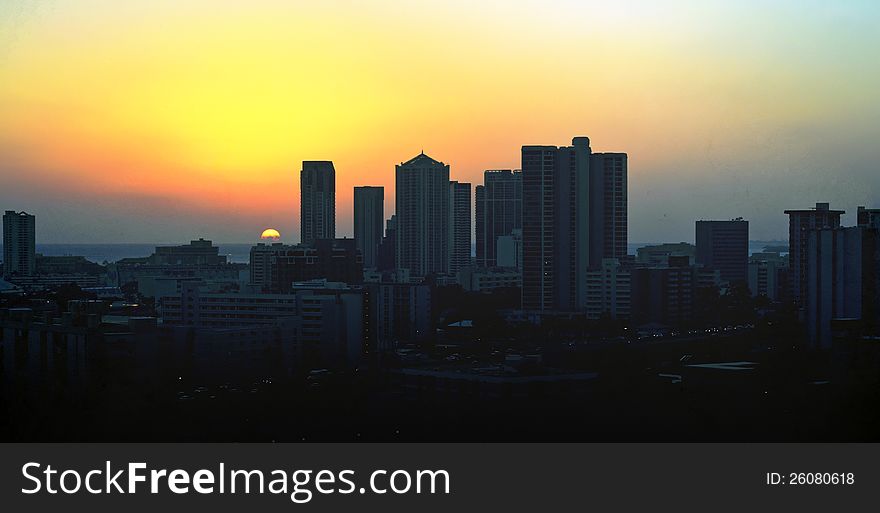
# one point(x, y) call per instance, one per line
point(609, 291)
point(487, 279)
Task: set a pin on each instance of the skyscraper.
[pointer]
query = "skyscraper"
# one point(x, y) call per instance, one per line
point(459, 226)
point(369, 215)
point(498, 211)
point(422, 210)
point(608, 207)
point(800, 224)
point(724, 245)
point(317, 201)
point(19, 248)
point(574, 216)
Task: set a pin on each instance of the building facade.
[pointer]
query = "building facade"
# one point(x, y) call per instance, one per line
point(369, 216)
point(325, 319)
point(724, 245)
point(274, 268)
point(422, 216)
point(659, 254)
point(19, 244)
point(487, 279)
point(842, 280)
point(498, 212)
point(868, 217)
point(317, 201)
point(400, 312)
point(768, 276)
point(459, 227)
point(609, 291)
point(387, 253)
point(197, 252)
point(574, 216)
point(800, 224)
point(509, 250)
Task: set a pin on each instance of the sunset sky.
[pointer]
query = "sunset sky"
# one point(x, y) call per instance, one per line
point(161, 121)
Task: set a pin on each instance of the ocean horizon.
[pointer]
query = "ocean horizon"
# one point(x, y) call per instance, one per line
point(237, 252)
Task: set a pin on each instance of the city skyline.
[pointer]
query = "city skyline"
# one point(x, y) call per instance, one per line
point(172, 123)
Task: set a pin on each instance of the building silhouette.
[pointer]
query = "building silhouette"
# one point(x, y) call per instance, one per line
point(197, 252)
point(800, 224)
point(388, 247)
point(422, 210)
point(19, 244)
point(868, 217)
point(724, 245)
point(768, 275)
point(509, 250)
point(274, 268)
point(400, 312)
point(574, 216)
point(459, 227)
point(369, 215)
point(842, 280)
point(498, 211)
point(668, 294)
point(609, 291)
point(317, 201)
point(608, 207)
point(659, 254)
point(324, 321)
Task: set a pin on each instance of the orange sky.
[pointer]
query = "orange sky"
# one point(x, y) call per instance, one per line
point(165, 122)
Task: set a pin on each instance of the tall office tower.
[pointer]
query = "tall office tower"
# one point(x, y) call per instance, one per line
point(422, 204)
point(498, 211)
point(19, 249)
point(459, 227)
point(724, 245)
point(800, 224)
point(574, 216)
point(317, 201)
point(369, 215)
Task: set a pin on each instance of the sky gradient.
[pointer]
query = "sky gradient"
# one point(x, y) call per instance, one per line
point(148, 121)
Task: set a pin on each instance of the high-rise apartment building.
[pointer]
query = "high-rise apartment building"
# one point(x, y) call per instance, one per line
point(459, 227)
point(369, 216)
point(842, 280)
point(574, 216)
point(422, 210)
point(800, 224)
point(19, 244)
point(317, 201)
point(608, 207)
point(498, 211)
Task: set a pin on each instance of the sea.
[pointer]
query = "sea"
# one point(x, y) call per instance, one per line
point(101, 253)
point(240, 252)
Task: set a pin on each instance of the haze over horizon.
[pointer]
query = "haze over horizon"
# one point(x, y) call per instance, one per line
point(153, 122)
